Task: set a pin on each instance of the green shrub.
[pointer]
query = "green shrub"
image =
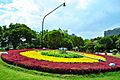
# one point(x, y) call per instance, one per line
point(114, 51)
point(57, 53)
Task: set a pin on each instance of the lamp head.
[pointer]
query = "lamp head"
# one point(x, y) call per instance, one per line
point(64, 4)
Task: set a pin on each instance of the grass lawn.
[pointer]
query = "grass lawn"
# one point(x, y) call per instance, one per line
point(117, 55)
point(10, 72)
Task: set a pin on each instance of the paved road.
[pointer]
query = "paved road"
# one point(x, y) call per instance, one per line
point(0, 54)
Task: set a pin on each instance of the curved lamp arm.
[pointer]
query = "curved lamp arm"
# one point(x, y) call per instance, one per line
point(63, 4)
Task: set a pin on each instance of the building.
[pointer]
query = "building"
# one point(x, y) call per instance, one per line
point(115, 31)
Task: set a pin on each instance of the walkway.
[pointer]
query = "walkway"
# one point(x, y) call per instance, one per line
point(104, 53)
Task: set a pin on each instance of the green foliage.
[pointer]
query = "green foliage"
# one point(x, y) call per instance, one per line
point(99, 47)
point(118, 43)
point(67, 43)
point(107, 42)
point(11, 37)
point(1, 32)
point(14, 34)
point(101, 44)
point(57, 53)
point(53, 39)
point(77, 41)
point(89, 45)
point(114, 51)
point(114, 38)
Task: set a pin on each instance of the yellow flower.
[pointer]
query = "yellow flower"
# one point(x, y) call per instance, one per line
point(37, 55)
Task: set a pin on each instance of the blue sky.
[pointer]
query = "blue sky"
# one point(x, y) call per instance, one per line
point(85, 18)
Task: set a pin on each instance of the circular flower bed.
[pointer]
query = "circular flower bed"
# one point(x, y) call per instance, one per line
point(17, 57)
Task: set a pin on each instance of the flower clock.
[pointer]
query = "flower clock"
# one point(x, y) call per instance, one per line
point(56, 61)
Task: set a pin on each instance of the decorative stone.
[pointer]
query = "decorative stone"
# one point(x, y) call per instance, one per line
point(112, 64)
point(63, 49)
point(43, 48)
point(5, 52)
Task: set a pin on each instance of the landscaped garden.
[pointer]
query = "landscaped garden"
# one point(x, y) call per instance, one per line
point(72, 63)
point(30, 62)
point(10, 72)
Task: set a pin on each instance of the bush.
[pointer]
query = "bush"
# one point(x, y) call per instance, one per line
point(57, 53)
point(114, 51)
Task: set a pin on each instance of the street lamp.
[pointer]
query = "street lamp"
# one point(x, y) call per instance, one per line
point(63, 4)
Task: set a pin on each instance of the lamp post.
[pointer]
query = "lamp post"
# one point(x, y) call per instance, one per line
point(63, 4)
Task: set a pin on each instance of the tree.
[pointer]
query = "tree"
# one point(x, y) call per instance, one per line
point(114, 39)
point(96, 39)
point(1, 35)
point(107, 42)
point(114, 51)
point(4, 37)
point(89, 45)
point(118, 43)
point(15, 33)
point(53, 39)
point(77, 41)
point(99, 47)
point(67, 43)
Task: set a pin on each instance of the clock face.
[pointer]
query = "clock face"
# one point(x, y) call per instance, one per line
point(61, 62)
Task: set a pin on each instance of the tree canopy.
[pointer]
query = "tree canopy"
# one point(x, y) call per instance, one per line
point(20, 36)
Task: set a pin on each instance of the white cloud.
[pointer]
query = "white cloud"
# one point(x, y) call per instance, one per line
point(66, 1)
point(1, 5)
point(31, 12)
point(20, 11)
point(83, 4)
point(27, 6)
